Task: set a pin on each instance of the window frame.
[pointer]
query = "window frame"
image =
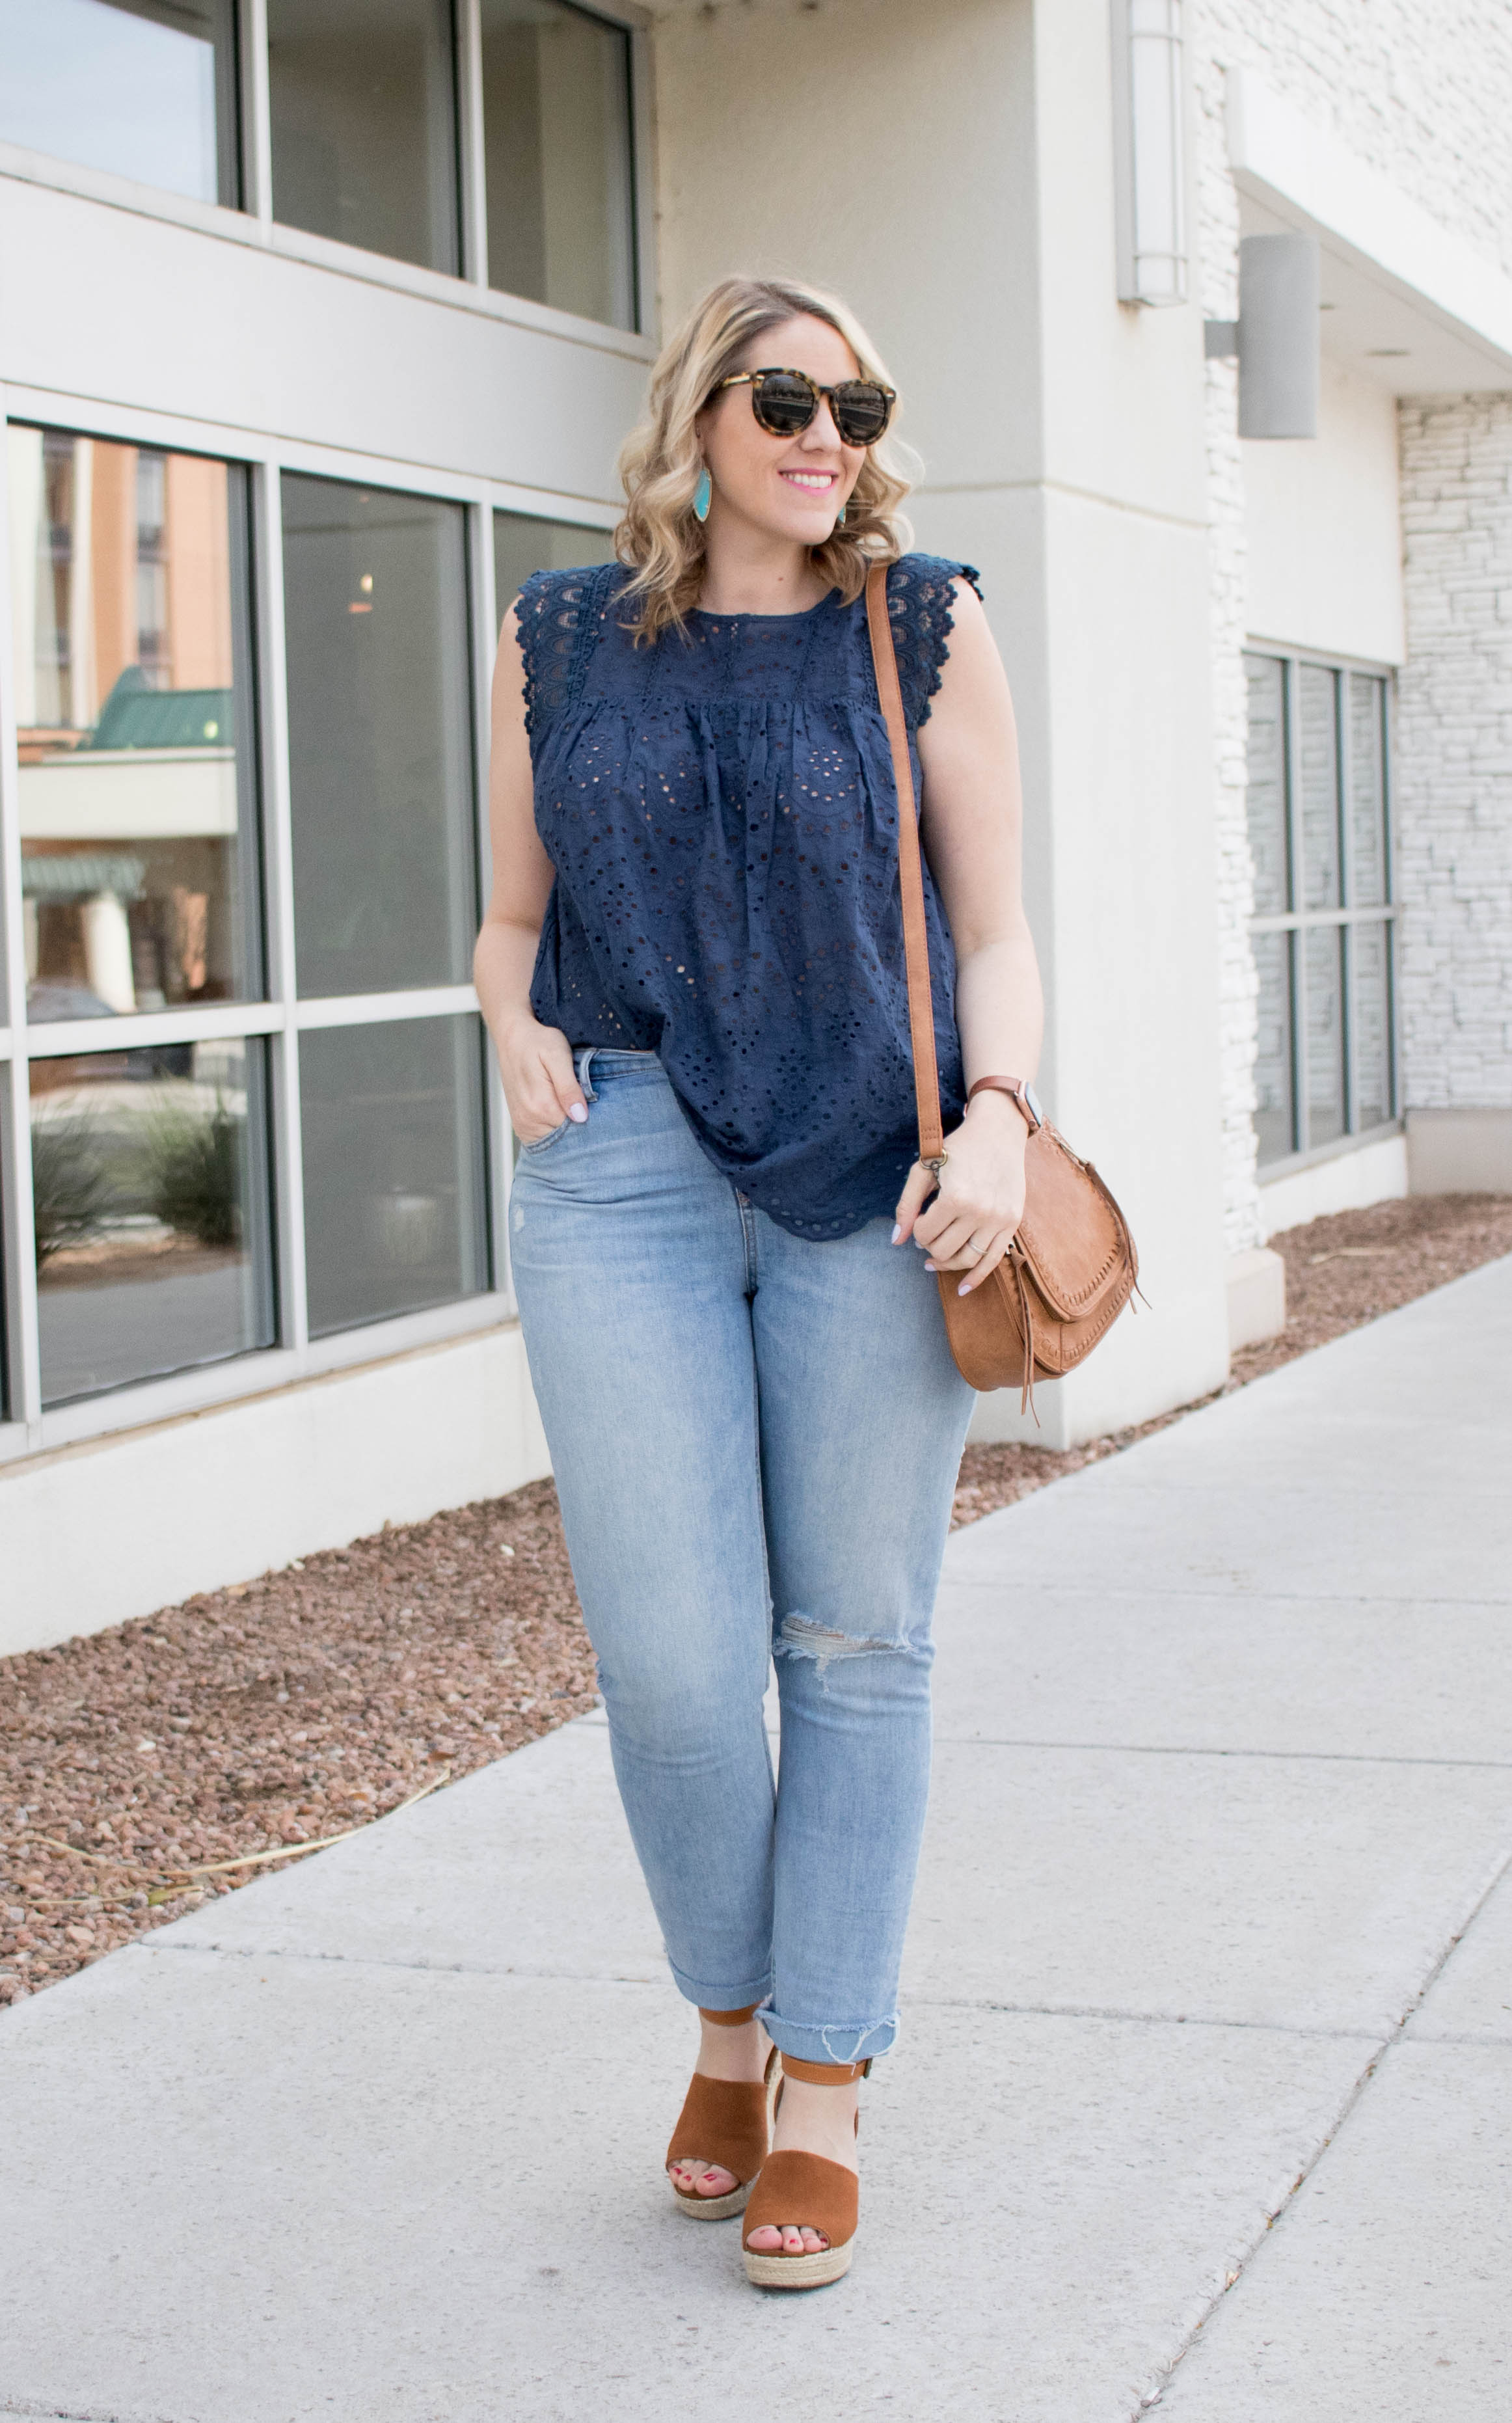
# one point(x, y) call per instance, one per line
point(254, 222)
point(1343, 919)
point(281, 1015)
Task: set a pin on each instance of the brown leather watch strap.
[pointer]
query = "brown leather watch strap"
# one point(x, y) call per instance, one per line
point(1017, 1092)
point(911, 872)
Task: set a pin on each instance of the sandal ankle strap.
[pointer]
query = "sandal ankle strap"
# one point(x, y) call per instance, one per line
point(730, 2019)
point(825, 2073)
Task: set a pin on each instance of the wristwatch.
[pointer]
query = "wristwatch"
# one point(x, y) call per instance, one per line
point(1022, 1093)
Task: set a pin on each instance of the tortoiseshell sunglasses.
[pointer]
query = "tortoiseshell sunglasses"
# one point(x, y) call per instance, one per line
point(784, 402)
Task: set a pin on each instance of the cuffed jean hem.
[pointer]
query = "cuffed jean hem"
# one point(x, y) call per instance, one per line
point(720, 1998)
point(866, 2041)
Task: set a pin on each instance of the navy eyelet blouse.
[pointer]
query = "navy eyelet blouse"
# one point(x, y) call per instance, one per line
point(720, 812)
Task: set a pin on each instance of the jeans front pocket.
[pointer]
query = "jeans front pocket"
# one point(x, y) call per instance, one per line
point(544, 1144)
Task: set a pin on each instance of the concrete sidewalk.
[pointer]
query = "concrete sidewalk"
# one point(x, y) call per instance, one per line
point(1215, 1926)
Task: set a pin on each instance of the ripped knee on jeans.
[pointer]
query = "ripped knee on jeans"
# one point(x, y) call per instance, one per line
point(798, 1635)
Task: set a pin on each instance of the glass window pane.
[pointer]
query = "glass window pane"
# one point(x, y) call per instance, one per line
point(525, 543)
point(1273, 1124)
point(394, 1204)
point(144, 90)
point(380, 738)
point(1319, 761)
point(130, 615)
point(150, 1186)
point(1370, 1014)
point(1325, 1035)
point(1367, 791)
point(556, 158)
point(1265, 793)
point(364, 108)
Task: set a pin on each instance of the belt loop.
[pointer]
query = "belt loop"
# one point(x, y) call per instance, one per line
point(584, 1061)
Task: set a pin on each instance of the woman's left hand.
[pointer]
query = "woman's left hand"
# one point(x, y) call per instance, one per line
point(973, 1217)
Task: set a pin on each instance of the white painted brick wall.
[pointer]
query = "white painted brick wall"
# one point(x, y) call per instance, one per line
point(1216, 287)
point(1424, 95)
point(1454, 754)
point(1422, 89)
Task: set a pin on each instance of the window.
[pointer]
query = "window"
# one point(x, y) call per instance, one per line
point(363, 96)
point(525, 543)
point(383, 823)
point(361, 117)
point(395, 1200)
point(130, 614)
point(1320, 839)
point(163, 1074)
point(557, 156)
point(146, 88)
point(149, 1192)
point(141, 921)
point(380, 738)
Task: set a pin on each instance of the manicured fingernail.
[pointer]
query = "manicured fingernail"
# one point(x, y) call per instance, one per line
point(965, 1288)
point(929, 1266)
point(897, 1231)
point(578, 1111)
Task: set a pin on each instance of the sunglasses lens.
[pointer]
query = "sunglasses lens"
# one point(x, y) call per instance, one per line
point(860, 412)
point(785, 404)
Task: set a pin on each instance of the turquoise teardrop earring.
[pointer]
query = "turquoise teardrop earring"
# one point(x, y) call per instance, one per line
point(839, 518)
point(703, 495)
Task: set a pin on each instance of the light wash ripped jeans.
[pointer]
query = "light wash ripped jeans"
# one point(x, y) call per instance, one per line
point(756, 1440)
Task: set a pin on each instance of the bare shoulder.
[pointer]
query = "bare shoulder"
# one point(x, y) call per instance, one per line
point(971, 675)
point(510, 667)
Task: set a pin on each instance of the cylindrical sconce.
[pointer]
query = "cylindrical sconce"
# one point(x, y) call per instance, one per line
point(1278, 333)
point(1149, 150)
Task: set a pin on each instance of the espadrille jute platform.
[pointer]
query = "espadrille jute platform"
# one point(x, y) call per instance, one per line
point(725, 2123)
point(809, 2191)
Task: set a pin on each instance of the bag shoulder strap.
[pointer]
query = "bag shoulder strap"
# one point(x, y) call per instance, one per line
point(911, 872)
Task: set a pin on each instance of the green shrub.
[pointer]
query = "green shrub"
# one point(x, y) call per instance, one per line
point(193, 1172)
point(71, 1190)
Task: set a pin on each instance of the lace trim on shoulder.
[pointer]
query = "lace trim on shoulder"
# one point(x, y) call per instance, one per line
point(559, 614)
point(919, 604)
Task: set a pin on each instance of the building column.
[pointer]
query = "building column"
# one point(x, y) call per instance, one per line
point(1453, 799)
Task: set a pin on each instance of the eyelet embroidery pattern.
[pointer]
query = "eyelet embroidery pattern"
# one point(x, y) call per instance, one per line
point(720, 809)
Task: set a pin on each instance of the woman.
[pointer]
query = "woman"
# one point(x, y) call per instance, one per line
point(693, 972)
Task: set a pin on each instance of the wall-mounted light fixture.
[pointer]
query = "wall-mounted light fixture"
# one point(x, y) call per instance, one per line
point(1149, 150)
point(1275, 336)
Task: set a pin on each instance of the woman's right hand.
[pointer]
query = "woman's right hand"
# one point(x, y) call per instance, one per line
point(539, 1082)
point(536, 1061)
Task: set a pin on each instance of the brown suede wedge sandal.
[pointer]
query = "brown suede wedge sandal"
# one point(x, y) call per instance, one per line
point(727, 2123)
point(809, 2191)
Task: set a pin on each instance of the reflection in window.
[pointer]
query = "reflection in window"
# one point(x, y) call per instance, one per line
point(380, 738)
point(146, 89)
point(1325, 1110)
point(130, 624)
point(363, 98)
point(395, 1195)
point(1273, 1053)
point(526, 543)
point(149, 1188)
point(557, 151)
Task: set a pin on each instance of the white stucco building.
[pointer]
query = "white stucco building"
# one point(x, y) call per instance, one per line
point(320, 324)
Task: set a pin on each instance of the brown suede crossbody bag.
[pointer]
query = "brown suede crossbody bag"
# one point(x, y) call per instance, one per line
point(1072, 1267)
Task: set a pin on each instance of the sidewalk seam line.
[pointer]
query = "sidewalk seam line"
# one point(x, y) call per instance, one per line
point(1201, 1749)
point(1351, 2103)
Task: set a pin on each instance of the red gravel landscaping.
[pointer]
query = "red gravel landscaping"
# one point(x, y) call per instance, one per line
point(148, 1767)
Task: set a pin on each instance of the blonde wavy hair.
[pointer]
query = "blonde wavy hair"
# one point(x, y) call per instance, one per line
point(660, 536)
